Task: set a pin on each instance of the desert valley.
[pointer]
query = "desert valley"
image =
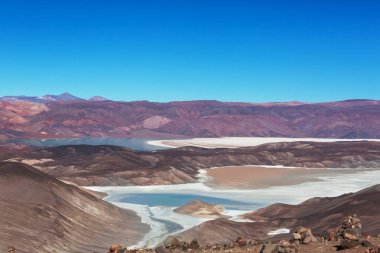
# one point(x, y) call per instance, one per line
point(189, 126)
point(80, 175)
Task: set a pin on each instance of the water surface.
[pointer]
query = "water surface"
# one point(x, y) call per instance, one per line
point(132, 143)
point(176, 200)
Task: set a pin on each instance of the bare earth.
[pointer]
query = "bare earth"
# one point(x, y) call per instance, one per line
point(252, 177)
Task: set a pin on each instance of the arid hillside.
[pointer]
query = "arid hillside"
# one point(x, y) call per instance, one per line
point(112, 165)
point(40, 213)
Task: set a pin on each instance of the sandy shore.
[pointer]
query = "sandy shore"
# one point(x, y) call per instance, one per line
point(256, 177)
point(236, 142)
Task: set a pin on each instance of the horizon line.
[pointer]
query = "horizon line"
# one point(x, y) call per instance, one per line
point(41, 97)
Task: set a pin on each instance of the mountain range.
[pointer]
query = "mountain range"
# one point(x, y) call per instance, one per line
point(57, 116)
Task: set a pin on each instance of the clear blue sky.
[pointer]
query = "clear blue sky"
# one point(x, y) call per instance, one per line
point(184, 50)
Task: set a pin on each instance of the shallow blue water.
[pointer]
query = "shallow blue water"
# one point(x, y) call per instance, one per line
point(135, 144)
point(175, 200)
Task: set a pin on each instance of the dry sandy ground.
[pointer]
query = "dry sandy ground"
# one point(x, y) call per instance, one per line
point(236, 142)
point(253, 177)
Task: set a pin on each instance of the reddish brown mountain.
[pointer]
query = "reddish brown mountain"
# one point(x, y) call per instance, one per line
point(70, 117)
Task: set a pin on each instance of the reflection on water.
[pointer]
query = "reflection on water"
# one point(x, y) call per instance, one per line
point(135, 144)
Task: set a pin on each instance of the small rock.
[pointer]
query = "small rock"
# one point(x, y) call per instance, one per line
point(11, 249)
point(296, 236)
point(194, 244)
point(301, 230)
point(269, 248)
point(117, 248)
point(241, 241)
point(184, 245)
point(352, 234)
point(366, 244)
point(284, 243)
point(332, 236)
point(171, 242)
point(308, 239)
point(325, 234)
point(308, 232)
point(348, 244)
point(161, 249)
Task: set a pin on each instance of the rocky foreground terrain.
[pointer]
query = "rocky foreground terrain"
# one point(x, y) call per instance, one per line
point(112, 165)
point(330, 230)
point(320, 214)
point(39, 214)
point(69, 116)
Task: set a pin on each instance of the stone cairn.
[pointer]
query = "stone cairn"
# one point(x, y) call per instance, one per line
point(303, 235)
point(300, 235)
point(350, 236)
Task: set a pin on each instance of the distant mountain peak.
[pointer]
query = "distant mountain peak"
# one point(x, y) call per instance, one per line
point(98, 98)
point(62, 97)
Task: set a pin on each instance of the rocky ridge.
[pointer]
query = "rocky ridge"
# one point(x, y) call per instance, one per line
point(112, 165)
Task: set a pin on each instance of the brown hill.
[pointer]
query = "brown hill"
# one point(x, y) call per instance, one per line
point(40, 214)
point(318, 213)
point(73, 118)
point(111, 165)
